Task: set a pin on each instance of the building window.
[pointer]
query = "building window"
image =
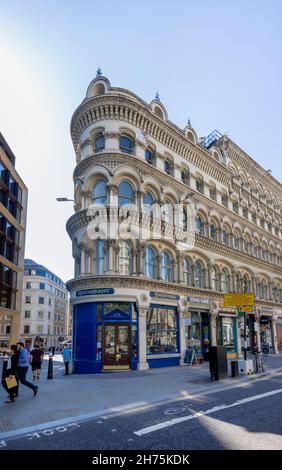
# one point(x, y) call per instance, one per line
point(42, 286)
point(246, 284)
point(150, 263)
point(269, 228)
point(224, 200)
point(213, 193)
point(40, 329)
point(40, 315)
point(162, 331)
point(165, 266)
point(262, 223)
point(236, 207)
point(27, 314)
point(185, 176)
point(41, 300)
point(126, 144)
point(168, 167)
point(184, 220)
point(199, 225)
point(99, 257)
point(226, 328)
point(225, 237)
point(99, 193)
point(28, 285)
point(245, 213)
point(125, 194)
point(254, 218)
point(200, 185)
point(215, 279)
point(26, 329)
point(148, 201)
point(124, 258)
point(187, 272)
point(213, 232)
point(28, 299)
point(225, 281)
point(199, 275)
point(149, 156)
point(49, 302)
point(49, 315)
point(99, 143)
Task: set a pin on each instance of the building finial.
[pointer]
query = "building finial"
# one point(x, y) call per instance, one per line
point(189, 123)
point(157, 97)
point(99, 72)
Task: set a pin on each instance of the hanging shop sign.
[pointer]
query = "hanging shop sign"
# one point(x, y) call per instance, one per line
point(98, 291)
point(239, 300)
point(164, 295)
point(198, 300)
point(267, 309)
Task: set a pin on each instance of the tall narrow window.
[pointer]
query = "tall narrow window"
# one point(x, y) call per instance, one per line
point(150, 263)
point(225, 281)
point(165, 266)
point(125, 194)
point(148, 201)
point(99, 193)
point(213, 232)
point(199, 225)
point(124, 258)
point(99, 257)
point(187, 272)
point(199, 274)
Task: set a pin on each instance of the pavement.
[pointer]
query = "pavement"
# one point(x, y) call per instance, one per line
point(66, 400)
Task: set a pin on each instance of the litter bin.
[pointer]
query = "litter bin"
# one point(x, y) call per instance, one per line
point(234, 368)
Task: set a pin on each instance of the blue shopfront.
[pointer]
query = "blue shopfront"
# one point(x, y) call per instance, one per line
point(105, 335)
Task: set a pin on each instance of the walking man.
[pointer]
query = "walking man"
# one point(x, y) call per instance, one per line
point(36, 358)
point(66, 357)
point(22, 367)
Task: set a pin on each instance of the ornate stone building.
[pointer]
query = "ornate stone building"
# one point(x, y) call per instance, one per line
point(139, 301)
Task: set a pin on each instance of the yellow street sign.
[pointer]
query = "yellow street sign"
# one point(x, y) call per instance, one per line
point(239, 300)
point(246, 309)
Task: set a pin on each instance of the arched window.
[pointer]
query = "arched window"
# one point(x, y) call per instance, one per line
point(187, 272)
point(124, 258)
point(99, 257)
point(99, 143)
point(225, 236)
point(199, 274)
point(167, 212)
point(213, 232)
point(200, 185)
point(148, 201)
point(184, 219)
point(125, 194)
point(199, 225)
point(165, 266)
point(126, 144)
point(149, 155)
point(246, 284)
point(263, 290)
point(99, 193)
point(215, 279)
point(237, 239)
point(185, 176)
point(225, 281)
point(150, 263)
point(259, 290)
point(168, 167)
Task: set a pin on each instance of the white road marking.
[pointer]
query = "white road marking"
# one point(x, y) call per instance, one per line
point(174, 421)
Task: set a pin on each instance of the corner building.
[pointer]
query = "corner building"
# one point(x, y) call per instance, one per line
point(140, 303)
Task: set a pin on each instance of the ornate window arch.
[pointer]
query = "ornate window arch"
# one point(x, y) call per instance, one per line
point(200, 224)
point(100, 193)
point(125, 193)
point(126, 143)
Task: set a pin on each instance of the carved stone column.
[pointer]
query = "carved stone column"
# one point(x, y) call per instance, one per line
point(135, 262)
point(142, 341)
point(83, 261)
point(210, 267)
point(112, 198)
point(180, 267)
point(158, 261)
point(111, 245)
point(141, 260)
point(116, 258)
point(233, 282)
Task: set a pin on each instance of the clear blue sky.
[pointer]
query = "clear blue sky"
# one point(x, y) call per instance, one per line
point(217, 62)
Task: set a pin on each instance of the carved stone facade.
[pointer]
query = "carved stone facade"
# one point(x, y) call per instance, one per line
point(127, 151)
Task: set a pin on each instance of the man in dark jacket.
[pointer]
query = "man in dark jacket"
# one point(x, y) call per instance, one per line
point(9, 372)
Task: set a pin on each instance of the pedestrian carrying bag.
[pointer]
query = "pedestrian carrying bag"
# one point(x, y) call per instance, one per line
point(11, 382)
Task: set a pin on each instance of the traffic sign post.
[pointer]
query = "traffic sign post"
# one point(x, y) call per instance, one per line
point(245, 304)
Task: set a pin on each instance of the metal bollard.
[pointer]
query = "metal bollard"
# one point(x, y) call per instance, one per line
point(50, 368)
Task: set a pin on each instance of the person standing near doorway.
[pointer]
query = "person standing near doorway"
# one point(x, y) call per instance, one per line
point(66, 357)
point(22, 367)
point(36, 358)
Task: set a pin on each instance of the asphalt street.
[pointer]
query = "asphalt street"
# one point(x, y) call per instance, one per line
point(246, 417)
